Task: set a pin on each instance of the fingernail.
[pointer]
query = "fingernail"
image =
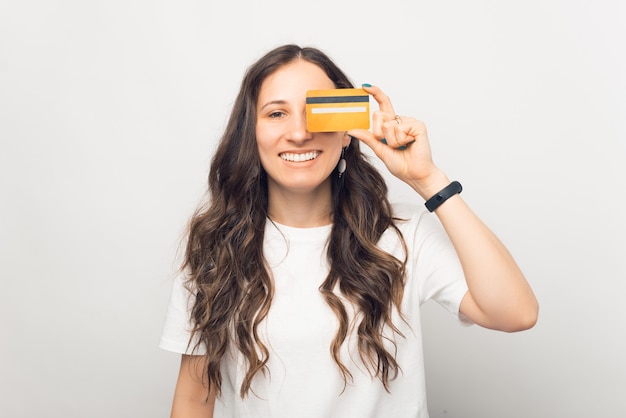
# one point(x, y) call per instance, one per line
point(366, 85)
point(384, 141)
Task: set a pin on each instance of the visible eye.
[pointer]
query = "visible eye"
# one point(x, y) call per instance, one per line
point(276, 114)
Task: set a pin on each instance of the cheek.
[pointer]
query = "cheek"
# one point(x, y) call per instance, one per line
point(265, 152)
point(337, 141)
point(262, 139)
point(267, 135)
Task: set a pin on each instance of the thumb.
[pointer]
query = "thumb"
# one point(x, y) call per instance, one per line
point(368, 139)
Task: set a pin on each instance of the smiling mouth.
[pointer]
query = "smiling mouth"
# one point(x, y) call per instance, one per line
point(298, 158)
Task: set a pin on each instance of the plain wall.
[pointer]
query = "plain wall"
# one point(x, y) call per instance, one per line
point(109, 114)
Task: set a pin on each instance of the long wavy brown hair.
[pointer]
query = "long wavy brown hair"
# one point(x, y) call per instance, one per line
point(224, 258)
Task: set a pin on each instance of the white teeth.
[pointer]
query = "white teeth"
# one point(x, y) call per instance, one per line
point(290, 156)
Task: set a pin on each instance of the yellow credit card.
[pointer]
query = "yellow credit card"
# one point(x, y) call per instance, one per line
point(337, 110)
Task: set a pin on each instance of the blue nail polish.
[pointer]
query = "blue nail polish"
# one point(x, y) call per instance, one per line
point(384, 141)
point(366, 85)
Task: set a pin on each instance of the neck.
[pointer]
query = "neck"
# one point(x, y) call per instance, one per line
point(301, 210)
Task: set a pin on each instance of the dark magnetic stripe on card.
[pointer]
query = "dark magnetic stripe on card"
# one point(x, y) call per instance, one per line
point(337, 99)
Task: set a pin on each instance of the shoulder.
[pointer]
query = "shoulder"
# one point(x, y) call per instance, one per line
point(407, 210)
point(408, 219)
point(411, 216)
point(415, 223)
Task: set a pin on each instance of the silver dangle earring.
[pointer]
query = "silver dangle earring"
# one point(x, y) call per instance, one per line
point(341, 167)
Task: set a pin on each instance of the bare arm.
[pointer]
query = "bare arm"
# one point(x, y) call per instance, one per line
point(499, 297)
point(191, 398)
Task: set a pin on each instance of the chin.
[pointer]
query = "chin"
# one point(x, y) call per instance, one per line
point(303, 185)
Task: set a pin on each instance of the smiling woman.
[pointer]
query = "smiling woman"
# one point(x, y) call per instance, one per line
point(298, 163)
point(301, 288)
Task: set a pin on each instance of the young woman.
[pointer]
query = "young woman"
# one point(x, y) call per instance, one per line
point(301, 287)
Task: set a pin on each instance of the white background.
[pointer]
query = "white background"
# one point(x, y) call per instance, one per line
point(109, 114)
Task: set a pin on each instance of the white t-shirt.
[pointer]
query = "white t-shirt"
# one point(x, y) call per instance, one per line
point(304, 380)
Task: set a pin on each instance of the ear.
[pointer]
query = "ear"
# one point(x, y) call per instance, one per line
point(346, 140)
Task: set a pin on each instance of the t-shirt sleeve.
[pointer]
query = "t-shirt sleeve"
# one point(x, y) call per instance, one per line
point(434, 266)
point(176, 334)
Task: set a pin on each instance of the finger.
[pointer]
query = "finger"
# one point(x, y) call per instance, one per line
point(400, 148)
point(388, 129)
point(383, 121)
point(414, 128)
point(403, 131)
point(390, 133)
point(397, 132)
point(378, 122)
point(406, 129)
point(384, 102)
point(379, 147)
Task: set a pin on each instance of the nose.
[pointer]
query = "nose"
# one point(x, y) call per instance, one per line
point(298, 132)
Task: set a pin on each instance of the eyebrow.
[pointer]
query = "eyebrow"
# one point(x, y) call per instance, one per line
point(280, 102)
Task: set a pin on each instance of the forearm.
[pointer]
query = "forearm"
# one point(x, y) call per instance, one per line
point(192, 398)
point(185, 407)
point(499, 296)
